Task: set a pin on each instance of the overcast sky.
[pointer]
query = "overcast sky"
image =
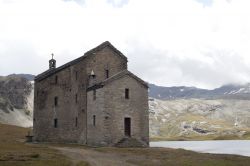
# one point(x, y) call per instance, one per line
point(203, 43)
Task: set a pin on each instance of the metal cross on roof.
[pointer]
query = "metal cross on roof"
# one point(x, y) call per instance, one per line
point(52, 55)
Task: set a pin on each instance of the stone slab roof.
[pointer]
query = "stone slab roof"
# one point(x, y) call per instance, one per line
point(75, 61)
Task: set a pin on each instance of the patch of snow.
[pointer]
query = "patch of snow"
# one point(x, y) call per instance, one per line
point(240, 90)
point(163, 120)
point(16, 117)
point(167, 115)
point(232, 92)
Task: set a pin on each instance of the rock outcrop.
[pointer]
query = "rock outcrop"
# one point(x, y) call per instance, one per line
point(16, 100)
point(15, 89)
point(192, 119)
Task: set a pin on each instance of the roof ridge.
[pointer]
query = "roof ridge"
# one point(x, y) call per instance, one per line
point(49, 72)
point(101, 46)
point(121, 74)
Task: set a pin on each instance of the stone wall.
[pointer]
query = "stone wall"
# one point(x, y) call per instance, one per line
point(95, 120)
point(105, 59)
point(136, 108)
point(71, 81)
point(71, 114)
point(111, 107)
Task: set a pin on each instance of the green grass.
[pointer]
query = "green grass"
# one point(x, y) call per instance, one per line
point(176, 157)
point(13, 150)
point(245, 136)
point(82, 163)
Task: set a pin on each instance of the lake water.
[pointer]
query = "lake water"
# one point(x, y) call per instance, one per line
point(239, 147)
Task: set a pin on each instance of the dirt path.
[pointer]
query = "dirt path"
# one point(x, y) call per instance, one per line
point(96, 158)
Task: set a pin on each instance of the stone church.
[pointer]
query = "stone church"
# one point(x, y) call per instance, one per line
point(92, 100)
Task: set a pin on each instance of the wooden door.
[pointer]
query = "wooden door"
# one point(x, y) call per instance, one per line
point(127, 127)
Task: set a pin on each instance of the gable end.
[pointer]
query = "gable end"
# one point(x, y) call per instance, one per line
point(50, 72)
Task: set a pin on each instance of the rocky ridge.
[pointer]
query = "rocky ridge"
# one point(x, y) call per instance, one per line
point(16, 100)
point(230, 91)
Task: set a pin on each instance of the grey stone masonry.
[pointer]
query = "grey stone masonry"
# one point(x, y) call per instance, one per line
point(92, 100)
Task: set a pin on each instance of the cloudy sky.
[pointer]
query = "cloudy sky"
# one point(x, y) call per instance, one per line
point(203, 43)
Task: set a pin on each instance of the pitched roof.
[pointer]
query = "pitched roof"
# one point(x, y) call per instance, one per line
point(49, 72)
point(118, 76)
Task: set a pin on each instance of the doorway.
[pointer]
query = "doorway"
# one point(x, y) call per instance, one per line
point(127, 127)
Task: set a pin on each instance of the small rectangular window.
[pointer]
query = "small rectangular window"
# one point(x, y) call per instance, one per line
point(76, 122)
point(56, 80)
point(107, 73)
point(94, 120)
point(55, 123)
point(76, 75)
point(94, 94)
point(76, 98)
point(56, 101)
point(126, 93)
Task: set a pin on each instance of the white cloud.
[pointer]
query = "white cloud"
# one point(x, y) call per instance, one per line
point(168, 42)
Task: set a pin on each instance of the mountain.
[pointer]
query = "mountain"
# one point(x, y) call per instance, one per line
point(29, 77)
point(190, 113)
point(16, 100)
point(176, 113)
point(230, 91)
point(192, 119)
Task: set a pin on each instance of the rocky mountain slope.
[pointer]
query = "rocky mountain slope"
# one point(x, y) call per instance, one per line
point(187, 119)
point(230, 91)
point(16, 100)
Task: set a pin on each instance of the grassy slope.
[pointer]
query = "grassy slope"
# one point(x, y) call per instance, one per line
point(177, 157)
point(13, 151)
